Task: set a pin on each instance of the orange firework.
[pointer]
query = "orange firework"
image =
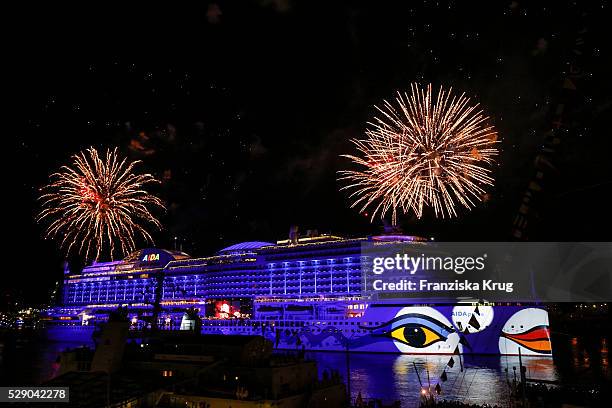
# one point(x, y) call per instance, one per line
point(426, 150)
point(98, 204)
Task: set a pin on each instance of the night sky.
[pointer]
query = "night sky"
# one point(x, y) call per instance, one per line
point(243, 108)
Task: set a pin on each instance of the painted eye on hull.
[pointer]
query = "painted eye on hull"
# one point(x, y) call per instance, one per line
point(417, 329)
point(416, 335)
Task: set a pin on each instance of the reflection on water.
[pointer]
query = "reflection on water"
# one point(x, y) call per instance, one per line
point(583, 359)
point(475, 379)
point(604, 353)
point(389, 377)
point(28, 361)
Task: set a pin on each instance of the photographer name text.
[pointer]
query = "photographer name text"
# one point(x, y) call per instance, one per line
point(424, 285)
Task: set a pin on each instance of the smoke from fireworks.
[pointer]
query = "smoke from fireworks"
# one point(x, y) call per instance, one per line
point(98, 204)
point(426, 150)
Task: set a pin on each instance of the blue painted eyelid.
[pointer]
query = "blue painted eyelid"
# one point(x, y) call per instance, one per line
point(439, 329)
point(424, 320)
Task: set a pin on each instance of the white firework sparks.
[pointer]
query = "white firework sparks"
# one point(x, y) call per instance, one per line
point(425, 150)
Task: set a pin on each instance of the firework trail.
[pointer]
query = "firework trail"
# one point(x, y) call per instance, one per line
point(98, 204)
point(425, 150)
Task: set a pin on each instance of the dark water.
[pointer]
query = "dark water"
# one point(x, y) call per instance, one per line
point(484, 379)
point(30, 360)
point(394, 377)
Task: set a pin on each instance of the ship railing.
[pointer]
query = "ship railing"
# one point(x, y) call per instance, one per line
point(274, 322)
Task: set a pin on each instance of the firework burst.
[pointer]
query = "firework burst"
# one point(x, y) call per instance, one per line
point(425, 150)
point(98, 204)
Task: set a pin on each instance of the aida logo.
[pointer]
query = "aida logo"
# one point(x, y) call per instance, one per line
point(150, 257)
point(461, 314)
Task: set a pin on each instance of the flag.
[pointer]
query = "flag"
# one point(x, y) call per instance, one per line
point(474, 322)
point(456, 351)
point(444, 377)
point(477, 311)
point(451, 363)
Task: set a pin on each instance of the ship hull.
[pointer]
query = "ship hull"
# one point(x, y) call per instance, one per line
point(407, 329)
point(383, 328)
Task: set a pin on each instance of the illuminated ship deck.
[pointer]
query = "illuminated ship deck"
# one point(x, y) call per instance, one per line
point(326, 266)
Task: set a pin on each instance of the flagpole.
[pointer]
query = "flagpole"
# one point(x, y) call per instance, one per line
point(428, 381)
point(417, 373)
point(523, 376)
point(427, 371)
point(420, 382)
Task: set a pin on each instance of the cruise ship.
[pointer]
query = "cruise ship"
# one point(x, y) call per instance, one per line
point(302, 293)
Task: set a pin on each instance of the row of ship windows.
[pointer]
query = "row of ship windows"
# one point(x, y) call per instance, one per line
point(232, 268)
point(339, 280)
point(273, 272)
point(84, 296)
point(308, 274)
point(226, 283)
point(101, 299)
point(320, 267)
point(322, 255)
point(201, 286)
point(336, 287)
point(130, 294)
point(259, 288)
point(226, 287)
point(281, 277)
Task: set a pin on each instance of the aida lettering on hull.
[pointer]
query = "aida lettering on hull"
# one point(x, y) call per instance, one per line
point(150, 257)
